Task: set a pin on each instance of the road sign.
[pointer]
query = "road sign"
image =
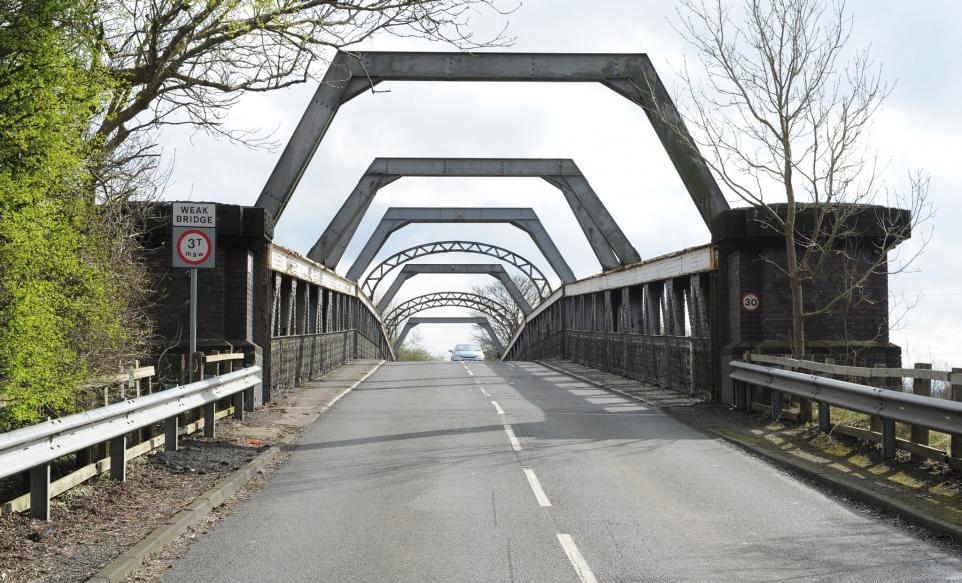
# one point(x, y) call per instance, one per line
point(750, 302)
point(194, 240)
point(194, 247)
point(192, 214)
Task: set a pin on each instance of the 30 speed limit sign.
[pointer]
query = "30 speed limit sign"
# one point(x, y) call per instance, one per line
point(750, 302)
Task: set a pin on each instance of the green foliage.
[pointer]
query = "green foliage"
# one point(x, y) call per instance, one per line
point(56, 300)
point(415, 353)
point(413, 349)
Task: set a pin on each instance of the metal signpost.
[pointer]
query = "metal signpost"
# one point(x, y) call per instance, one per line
point(194, 242)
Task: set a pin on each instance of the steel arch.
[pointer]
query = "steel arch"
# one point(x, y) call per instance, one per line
point(447, 299)
point(376, 276)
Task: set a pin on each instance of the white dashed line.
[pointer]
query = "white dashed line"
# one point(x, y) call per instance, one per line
point(577, 560)
point(484, 392)
point(497, 408)
point(535, 484)
point(515, 444)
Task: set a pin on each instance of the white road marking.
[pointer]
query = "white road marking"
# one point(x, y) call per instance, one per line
point(469, 371)
point(535, 484)
point(497, 408)
point(515, 444)
point(485, 393)
point(577, 560)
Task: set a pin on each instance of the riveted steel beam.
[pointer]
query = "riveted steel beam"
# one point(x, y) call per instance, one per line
point(523, 218)
point(495, 270)
point(416, 321)
point(630, 75)
point(609, 243)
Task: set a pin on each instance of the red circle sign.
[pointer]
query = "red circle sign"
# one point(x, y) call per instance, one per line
point(194, 247)
point(750, 302)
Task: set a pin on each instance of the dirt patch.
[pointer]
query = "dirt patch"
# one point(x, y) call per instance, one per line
point(155, 566)
point(96, 521)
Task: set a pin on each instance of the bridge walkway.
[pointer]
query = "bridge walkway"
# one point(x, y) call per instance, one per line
point(513, 472)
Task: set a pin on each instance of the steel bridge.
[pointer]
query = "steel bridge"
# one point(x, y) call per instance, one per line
point(675, 321)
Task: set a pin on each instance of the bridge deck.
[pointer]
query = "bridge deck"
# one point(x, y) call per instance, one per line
point(413, 477)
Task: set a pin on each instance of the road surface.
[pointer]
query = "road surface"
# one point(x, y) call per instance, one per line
point(450, 472)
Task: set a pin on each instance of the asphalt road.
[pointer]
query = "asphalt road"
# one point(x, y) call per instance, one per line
point(511, 472)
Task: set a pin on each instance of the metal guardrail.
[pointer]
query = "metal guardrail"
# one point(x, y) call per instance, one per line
point(890, 406)
point(33, 448)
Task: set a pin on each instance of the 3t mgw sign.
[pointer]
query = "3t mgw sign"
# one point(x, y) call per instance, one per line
point(194, 235)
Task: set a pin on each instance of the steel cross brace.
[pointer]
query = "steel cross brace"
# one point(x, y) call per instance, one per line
point(376, 276)
point(609, 243)
point(482, 322)
point(630, 75)
point(495, 270)
point(524, 218)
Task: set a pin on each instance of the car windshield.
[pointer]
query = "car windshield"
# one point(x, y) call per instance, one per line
point(466, 347)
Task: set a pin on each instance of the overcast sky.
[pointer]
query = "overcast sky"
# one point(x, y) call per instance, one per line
point(609, 138)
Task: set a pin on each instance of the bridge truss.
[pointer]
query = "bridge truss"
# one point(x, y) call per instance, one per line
point(537, 277)
point(448, 299)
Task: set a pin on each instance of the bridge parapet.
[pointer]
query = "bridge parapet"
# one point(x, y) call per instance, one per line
point(678, 320)
point(649, 321)
point(319, 320)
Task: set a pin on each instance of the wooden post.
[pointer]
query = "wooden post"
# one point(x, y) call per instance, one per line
point(40, 492)
point(118, 458)
point(824, 409)
point(921, 387)
point(956, 450)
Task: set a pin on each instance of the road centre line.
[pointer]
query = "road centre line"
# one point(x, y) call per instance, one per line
point(515, 444)
point(535, 484)
point(577, 559)
point(484, 392)
point(497, 408)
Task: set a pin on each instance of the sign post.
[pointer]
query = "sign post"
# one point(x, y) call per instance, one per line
point(194, 244)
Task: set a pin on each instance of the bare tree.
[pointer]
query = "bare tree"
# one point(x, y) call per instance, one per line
point(185, 63)
point(783, 111)
point(504, 330)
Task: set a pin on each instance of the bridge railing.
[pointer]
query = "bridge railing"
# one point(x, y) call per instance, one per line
point(650, 321)
point(33, 448)
point(310, 299)
point(890, 406)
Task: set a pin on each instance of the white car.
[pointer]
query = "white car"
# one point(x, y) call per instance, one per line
point(466, 352)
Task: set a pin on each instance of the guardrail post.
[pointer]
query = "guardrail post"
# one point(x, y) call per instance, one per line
point(956, 449)
point(921, 387)
point(824, 409)
point(776, 404)
point(210, 410)
point(875, 422)
point(83, 457)
point(171, 429)
point(40, 492)
point(239, 405)
point(118, 458)
point(888, 439)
